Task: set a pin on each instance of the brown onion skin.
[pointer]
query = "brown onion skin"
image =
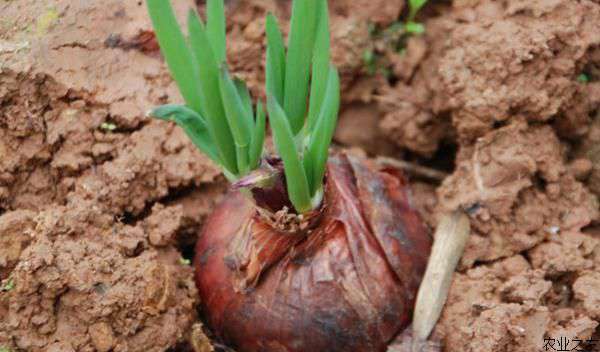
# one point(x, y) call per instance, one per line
point(349, 285)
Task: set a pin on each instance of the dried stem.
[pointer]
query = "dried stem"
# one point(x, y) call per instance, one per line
point(449, 243)
point(412, 168)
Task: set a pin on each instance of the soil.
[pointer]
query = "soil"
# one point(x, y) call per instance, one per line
point(100, 206)
point(86, 283)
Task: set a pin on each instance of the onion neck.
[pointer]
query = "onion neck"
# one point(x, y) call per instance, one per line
point(266, 188)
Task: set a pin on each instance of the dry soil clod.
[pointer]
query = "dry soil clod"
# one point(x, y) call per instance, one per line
point(449, 243)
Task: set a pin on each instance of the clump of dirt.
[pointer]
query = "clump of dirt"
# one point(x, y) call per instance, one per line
point(149, 163)
point(510, 70)
point(482, 63)
point(508, 306)
point(375, 11)
point(518, 191)
point(24, 182)
point(491, 307)
point(15, 235)
point(89, 282)
point(73, 115)
point(416, 110)
point(588, 152)
point(520, 59)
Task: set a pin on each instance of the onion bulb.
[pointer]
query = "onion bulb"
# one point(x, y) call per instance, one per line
point(344, 279)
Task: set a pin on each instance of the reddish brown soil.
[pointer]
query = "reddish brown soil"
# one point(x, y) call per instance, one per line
point(99, 203)
point(87, 283)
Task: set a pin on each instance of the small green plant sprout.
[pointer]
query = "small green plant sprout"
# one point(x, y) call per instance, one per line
point(8, 285)
point(302, 132)
point(218, 115)
point(108, 126)
point(583, 78)
point(411, 26)
point(4, 349)
point(303, 95)
point(370, 61)
point(394, 37)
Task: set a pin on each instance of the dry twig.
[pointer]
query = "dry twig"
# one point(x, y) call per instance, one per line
point(449, 243)
point(412, 168)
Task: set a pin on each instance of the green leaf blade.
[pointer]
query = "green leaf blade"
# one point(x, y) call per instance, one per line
point(318, 148)
point(583, 78)
point(213, 109)
point(414, 28)
point(192, 123)
point(320, 71)
point(258, 138)
point(297, 184)
point(216, 28)
point(275, 67)
point(235, 113)
point(298, 62)
point(415, 6)
point(176, 52)
point(246, 100)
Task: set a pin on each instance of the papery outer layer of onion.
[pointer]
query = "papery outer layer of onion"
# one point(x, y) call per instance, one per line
point(348, 284)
